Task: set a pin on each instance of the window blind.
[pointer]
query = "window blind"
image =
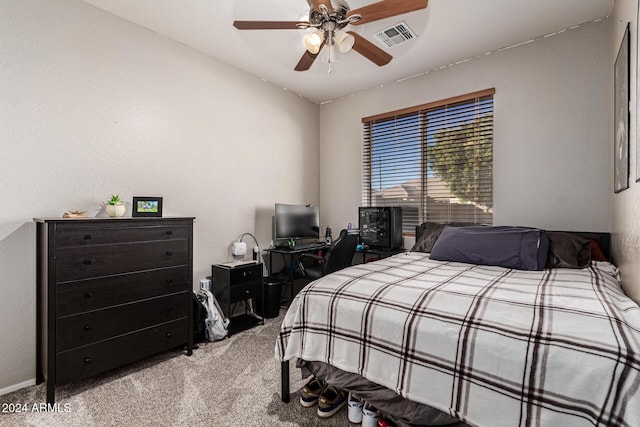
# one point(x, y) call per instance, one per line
point(434, 160)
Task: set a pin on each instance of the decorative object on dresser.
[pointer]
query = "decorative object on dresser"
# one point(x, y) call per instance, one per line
point(75, 214)
point(147, 206)
point(236, 282)
point(115, 207)
point(109, 293)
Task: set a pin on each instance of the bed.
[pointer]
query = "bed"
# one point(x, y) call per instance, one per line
point(436, 342)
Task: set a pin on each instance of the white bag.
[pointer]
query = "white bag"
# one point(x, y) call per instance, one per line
point(215, 323)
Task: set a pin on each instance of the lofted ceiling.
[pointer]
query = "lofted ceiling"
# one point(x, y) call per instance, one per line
point(448, 32)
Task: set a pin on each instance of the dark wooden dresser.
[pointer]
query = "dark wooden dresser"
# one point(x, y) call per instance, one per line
point(110, 291)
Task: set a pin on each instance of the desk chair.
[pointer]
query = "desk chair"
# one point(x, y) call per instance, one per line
point(338, 256)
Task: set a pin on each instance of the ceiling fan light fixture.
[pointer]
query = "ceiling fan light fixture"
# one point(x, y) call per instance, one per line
point(313, 41)
point(344, 41)
point(326, 22)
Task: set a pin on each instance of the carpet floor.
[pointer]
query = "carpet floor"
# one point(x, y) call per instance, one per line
point(233, 382)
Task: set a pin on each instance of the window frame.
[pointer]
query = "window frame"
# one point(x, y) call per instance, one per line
point(421, 111)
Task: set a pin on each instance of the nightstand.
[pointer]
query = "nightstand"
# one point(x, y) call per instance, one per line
point(235, 284)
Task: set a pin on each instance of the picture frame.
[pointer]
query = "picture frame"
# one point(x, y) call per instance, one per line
point(146, 206)
point(621, 116)
point(638, 98)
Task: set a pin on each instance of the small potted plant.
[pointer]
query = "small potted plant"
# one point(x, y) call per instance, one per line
point(115, 207)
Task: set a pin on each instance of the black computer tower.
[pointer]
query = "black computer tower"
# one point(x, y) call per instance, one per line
point(381, 227)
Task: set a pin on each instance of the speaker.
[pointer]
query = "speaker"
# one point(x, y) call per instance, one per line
point(381, 227)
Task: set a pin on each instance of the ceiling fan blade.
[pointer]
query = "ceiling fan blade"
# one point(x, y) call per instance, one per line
point(306, 61)
point(370, 51)
point(316, 5)
point(387, 8)
point(266, 25)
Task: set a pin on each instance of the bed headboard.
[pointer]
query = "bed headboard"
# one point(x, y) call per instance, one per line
point(604, 239)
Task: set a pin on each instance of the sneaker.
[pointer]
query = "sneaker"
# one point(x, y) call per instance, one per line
point(370, 416)
point(311, 392)
point(331, 401)
point(355, 409)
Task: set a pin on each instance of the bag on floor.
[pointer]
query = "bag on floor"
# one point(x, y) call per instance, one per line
point(199, 320)
point(215, 324)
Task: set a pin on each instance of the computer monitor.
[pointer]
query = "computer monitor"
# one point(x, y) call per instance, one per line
point(296, 222)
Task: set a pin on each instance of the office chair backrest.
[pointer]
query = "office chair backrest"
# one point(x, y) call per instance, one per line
point(340, 254)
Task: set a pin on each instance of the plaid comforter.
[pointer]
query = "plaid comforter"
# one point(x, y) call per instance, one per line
point(489, 345)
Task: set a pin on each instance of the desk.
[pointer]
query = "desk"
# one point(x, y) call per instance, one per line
point(380, 253)
point(289, 261)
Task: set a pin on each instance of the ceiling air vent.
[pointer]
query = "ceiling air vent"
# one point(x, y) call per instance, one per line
point(393, 36)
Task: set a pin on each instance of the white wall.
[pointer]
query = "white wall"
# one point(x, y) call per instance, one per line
point(93, 105)
point(551, 144)
point(626, 204)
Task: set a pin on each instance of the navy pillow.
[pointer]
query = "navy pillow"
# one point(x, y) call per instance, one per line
point(521, 248)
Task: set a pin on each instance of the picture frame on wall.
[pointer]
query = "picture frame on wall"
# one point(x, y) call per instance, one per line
point(147, 206)
point(621, 116)
point(638, 98)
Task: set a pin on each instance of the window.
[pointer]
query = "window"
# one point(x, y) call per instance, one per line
point(434, 160)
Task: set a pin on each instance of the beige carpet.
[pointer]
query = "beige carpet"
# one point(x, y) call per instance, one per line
point(234, 382)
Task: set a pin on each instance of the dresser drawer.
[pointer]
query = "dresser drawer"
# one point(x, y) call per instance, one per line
point(86, 361)
point(92, 294)
point(78, 263)
point(112, 234)
point(87, 328)
point(245, 291)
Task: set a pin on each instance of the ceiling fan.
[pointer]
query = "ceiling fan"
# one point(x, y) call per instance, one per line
point(328, 18)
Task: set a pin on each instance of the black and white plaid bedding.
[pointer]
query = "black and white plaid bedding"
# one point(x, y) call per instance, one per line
point(489, 345)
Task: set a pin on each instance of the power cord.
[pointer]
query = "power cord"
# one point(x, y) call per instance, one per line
point(256, 248)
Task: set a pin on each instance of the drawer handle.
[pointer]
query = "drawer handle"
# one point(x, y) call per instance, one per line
point(169, 253)
point(87, 237)
point(87, 262)
point(87, 361)
point(88, 295)
point(169, 232)
point(168, 335)
point(247, 291)
point(88, 327)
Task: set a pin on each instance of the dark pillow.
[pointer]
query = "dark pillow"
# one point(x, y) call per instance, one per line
point(568, 250)
point(596, 250)
point(522, 248)
point(429, 233)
